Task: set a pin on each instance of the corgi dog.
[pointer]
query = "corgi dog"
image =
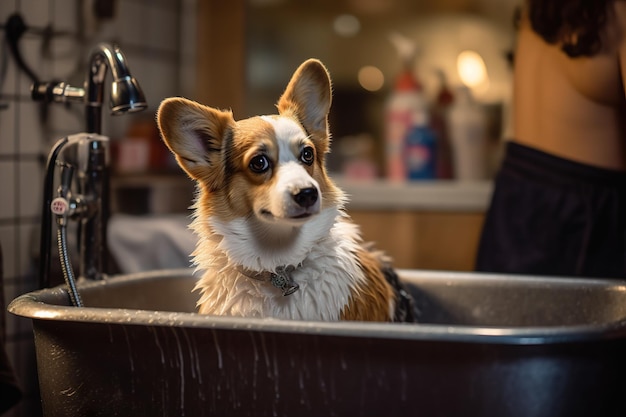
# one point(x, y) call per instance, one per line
point(273, 237)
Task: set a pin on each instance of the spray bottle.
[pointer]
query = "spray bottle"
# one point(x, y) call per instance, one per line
point(406, 100)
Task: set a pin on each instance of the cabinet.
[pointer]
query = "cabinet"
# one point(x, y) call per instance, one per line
point(421, 225)
point(423, 239)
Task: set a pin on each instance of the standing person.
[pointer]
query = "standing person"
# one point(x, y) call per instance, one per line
point(559, 203)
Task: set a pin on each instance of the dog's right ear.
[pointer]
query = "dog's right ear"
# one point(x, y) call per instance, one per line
point(308, 97)
point(195, 133)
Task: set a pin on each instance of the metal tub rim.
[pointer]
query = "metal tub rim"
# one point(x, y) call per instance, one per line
point(36, 305)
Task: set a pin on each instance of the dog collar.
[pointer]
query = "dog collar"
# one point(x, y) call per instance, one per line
point(281, 278)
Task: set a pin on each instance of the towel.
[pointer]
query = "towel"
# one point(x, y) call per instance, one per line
point(146, 243)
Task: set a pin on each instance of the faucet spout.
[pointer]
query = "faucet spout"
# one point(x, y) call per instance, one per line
point(126, 94)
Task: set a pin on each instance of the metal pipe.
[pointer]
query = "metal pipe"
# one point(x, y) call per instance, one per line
point(46, 221)
point(93, 175)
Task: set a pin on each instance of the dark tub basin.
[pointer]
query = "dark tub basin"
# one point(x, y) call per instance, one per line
point(488, 345)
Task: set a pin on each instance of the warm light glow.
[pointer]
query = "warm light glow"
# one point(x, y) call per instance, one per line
point(347, 25)
point(472, 69)
point(371, 78)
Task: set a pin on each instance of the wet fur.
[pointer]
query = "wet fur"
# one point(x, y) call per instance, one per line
point(247, 219)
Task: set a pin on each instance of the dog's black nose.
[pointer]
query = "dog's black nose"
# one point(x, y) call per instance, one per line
point(306, 197)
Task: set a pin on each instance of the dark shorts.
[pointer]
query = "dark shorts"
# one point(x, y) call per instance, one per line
point(552, 216)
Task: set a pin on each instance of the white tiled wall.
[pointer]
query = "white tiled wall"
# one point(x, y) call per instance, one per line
point(157, 38)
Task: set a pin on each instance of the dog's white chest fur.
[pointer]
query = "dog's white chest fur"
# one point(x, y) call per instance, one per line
point(327, 274)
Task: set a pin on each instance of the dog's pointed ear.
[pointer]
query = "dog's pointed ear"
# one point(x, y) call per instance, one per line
point(308, 97)
point(195, 134)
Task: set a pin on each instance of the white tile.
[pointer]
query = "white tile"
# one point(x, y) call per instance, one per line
point(29, 249)
point(131, 22)
point(34, 12)
point(32, 138)
point(10, 293)
point(63, 59)
point(30, 188)
point(7, 190)
point(158, 78)
point(108, 31)
point(162, 28)
point(11, 82)
point(8, 240)
point(14, 288)
point(7, 130)
point(30, 48)
point(65, 120)
point(64, 15)
point(11, 285)
point(7, 7)
point(19, 247)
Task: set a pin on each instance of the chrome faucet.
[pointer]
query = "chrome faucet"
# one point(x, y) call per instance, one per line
point(86, 156)
point(125, 96)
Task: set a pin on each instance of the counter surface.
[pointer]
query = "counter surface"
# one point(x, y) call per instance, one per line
point(423, 195)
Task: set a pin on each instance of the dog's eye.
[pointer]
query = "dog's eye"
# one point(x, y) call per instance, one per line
point(308, 155)
point(259, 164)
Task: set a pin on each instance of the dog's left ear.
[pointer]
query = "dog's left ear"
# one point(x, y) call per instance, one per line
point(308, 97)
point(195, 134)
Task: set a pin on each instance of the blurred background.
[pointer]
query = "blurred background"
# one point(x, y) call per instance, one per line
point(240, 54)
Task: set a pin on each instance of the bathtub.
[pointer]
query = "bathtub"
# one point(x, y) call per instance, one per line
point(487, 345)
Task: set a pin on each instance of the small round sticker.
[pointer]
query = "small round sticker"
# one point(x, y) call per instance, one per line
point(59, 205)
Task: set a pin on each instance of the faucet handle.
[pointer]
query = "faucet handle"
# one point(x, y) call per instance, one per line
point(56, 91)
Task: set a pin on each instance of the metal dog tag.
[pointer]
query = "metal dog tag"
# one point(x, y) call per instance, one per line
point(282, 279)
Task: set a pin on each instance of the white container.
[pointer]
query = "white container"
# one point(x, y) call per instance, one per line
point(466, 122)
point(404, 103)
